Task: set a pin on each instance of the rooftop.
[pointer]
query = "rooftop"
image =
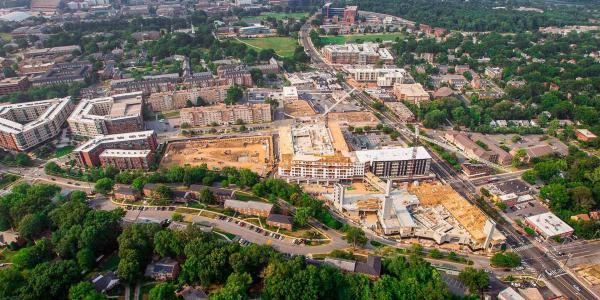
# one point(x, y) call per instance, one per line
point(549, 224)
point(236, 204)
point(111, 138)
point(125, 153)
point(389, 154)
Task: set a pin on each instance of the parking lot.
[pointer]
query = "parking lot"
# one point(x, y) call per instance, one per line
point(523, 210)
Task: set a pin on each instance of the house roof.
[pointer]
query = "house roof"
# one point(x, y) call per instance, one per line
point(104, 282)
point(279, 219)
point(372, 267)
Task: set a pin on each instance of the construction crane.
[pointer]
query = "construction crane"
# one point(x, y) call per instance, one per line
point(414, 154)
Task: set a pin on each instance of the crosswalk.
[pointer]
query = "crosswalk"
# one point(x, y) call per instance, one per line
point(555, 272)
point(523, 247)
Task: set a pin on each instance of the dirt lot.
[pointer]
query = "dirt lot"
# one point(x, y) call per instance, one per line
point(254, 153)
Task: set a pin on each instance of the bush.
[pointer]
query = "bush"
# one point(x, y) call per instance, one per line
point(505, 260)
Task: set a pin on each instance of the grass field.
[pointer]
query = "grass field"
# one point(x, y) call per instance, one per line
point(283, 46)
point(341, 39)
point(276, 15)
point(63, 151)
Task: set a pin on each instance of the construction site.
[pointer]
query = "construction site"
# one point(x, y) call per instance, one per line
point(298, 109)
point(428, 210)
point(251, 152)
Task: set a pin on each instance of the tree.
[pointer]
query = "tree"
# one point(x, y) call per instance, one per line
point(85, 290)
point(167, 244)
point(355, 236)
point(235, 288)
point(557, 194)
point(162, 291)
point(139, 183)
point(32, 226)
point(104, 185)
point(29, 257)
point(583, 198)
point(434, 119)
point(22, 159)
point(52, 168)
point(11, 283)
point(85, 258)
point(475, 280)
point(162, 192)
point(302, 215)
point(207, 197)
point(529, 176)
point(51, 280)
point(505, 260)
point(234, 95)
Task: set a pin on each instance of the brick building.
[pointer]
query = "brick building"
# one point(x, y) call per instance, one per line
point(226, 114)
point(127, 159)
point(280, 221)
point(89, 153)
point(14, 84)
point(252, 208)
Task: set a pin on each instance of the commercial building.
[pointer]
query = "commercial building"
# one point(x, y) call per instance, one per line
point(255, 29)
point(410, 92)
point(509, 294)
point(127, 159)
point(25, 125)
point(222, 114)
point(89, 153)
point(549, 225)
point(346, 14)
point(385, 77)
point(252, 208)
point(290, 93)
point(473, 145)
point(108, 115)
point(533, 152)
point(358, 54)
point(14, 84)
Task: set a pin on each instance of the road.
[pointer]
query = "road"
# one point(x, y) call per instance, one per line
point(563, 284)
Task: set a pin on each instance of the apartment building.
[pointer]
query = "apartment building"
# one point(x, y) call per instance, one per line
point(226, 114)
point(252, 208)
point(56, 51)
point(127, 159)
point(64, 73)
point(148, 84)
point(14, 84)
point(25, 125)
point(394, 163)
point(357, 54)
point(385, 77)
point(411, 92)
point(89, 153)
point(170, 100)
point(108, 115)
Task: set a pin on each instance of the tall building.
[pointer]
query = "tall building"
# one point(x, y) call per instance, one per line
point(108, 115)
point(222, 114)
point(127, 159)
point(357, 54)
point(385, 77)
point(25, 125)
point(170, 100)
point(89, 154)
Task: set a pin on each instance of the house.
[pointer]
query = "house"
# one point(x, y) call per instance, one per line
point(148, 189)
point(190, 293)
point(164, 269)
point(371, 268)
point(253, 208)
point(580, 217)
point(127, 193)
point(280, 221)
point(183, 196)
point(534, 151)
point(11, 237)
point(219, 193)
point(443, 92)
point(105, 282)
point(585, 135)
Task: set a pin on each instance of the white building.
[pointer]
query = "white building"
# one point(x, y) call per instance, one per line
point(25, 125)
point(549, 225)
point(385, 77)
point(290, 93)
point(108, 115)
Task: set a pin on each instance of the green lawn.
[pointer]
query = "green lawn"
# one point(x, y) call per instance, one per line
point(63, 151)
point(283, 46)
point(245, 197)
point(8, 179)
point(341, 39)
point(276, 15)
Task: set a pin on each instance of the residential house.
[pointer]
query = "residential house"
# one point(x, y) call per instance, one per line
point(162, 270)
point(280, 221)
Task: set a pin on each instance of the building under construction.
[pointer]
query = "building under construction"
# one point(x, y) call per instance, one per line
point(316, 152)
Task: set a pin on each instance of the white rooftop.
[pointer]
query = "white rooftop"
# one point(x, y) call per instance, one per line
point(390, 154)
point(124, 153)
point(549, 224)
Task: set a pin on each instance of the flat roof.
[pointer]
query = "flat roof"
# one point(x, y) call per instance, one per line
point(290, 91)
point(549, 224)
point(248, 205)
point(111, 138)
point(391, 154)
point(124, 153)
